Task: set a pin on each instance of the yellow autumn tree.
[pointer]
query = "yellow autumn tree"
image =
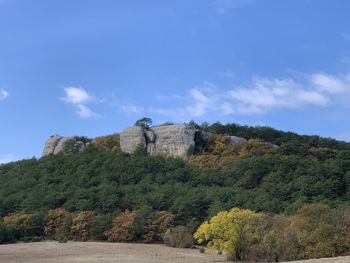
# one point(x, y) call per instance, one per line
point(21, 223)
point(57, 224)
point(231, 232)
point(109, 143)
point(82, 226)
point(219, 153)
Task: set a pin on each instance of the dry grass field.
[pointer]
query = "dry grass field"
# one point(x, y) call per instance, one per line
point(95, 252)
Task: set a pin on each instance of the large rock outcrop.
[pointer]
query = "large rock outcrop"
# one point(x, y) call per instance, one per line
point(173, 140)
point(51, 145)
point(131, 138)
point(57, 144)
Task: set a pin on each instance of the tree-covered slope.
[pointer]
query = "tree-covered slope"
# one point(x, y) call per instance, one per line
point(304, 169)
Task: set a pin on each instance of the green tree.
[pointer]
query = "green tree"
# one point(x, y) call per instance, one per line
point(144, 122)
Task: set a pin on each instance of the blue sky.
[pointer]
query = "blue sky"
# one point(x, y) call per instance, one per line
point(88, 67)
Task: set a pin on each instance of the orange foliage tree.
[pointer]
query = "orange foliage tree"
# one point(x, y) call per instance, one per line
point(122, 227)
point(157, 225)
point(57, 224)
point(83, 225)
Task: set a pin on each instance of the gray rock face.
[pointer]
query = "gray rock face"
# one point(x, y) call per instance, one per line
point(150, 136)
point(172, 140)
point(237, 141)
point(131, 138)
point(51, 144)
point(63, 144)
point(58, 144)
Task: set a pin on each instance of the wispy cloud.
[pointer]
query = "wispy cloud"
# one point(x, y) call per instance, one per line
point(331, 84)
point(222, 6)
point(260, 96)
point(131, 109)
point(79, 97)
point(4, 94)
point(6, 158)
point(269, 94)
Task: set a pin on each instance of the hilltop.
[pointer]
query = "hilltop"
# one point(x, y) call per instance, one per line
point(154, 183)
point(218, 175)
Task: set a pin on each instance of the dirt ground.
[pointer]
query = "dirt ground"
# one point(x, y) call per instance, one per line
point(95, 252)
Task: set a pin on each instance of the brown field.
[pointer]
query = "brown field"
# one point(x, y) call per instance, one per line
point(97, 252)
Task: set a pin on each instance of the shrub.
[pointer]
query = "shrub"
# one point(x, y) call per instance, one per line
point(255, 147)
point(157, 225)
point(82, 226)
point(103, 224)
point(109, 143)
point(23, 225)
point(7, 235)
point(57, 224)
point(178, 237)
point(122, 227)
point(216, 153)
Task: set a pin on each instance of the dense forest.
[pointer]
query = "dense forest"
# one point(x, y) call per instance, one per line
point(273, 180)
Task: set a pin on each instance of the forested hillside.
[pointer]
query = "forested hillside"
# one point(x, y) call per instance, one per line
point(301, 170)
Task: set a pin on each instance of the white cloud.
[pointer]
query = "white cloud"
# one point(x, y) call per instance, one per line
point(4, 94)
point(85, 112)
point(76, 95)
point(6, 158)
point(79, 98)
point(267, 94)
point(331, 84)
point(222, 6)
point(260, 96)
point(131, 109)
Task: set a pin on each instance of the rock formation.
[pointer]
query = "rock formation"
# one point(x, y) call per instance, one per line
point(237, 141)
point(170, 139)
point(173, 140)
point(131, 138)
point(57, 144)
point(51, 144)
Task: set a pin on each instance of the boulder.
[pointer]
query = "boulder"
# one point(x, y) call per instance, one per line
point(174, 140)
point(237, 141)
point(131, 138)
point(65, 144)
point(51, 144)
point(59, 144)
point(171, 140)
